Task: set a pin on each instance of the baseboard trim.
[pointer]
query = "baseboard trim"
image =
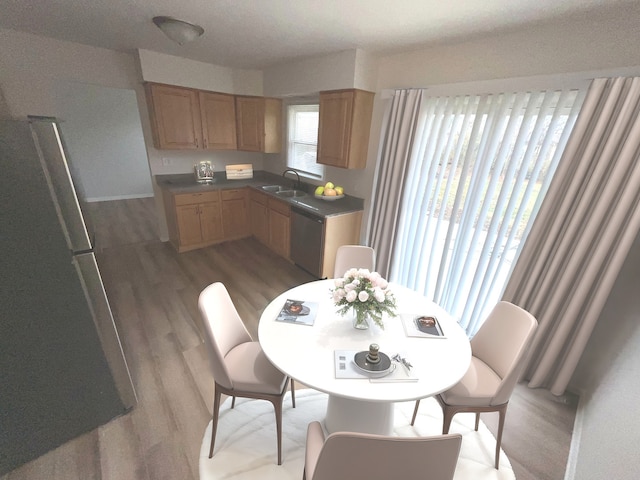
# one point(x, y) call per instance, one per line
point(576, 436)
point(118, 197)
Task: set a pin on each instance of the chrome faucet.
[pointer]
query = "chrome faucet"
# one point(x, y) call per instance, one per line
point(297, 184)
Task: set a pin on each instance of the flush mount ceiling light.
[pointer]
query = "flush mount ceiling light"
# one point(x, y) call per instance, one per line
point(178, 30)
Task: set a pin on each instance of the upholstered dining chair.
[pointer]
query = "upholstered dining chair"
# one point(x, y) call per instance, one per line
point(353, 256)
point(348, 455)
point(497, 351)
point(238, 364)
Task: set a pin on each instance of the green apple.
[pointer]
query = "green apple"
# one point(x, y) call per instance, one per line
point(339, 190)
point(319, 190)
point(328, 185)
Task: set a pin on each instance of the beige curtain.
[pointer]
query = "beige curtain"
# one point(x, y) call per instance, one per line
point(585, 228)
point(399, 128)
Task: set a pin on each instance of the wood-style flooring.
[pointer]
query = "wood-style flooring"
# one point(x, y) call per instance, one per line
point(153, 293)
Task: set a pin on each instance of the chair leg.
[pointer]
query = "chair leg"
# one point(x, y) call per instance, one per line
point(277, 405)
point(214, 422)
point(233, 402)
point(415, 412)
point(477, 420)
point(502, 412)
point(293, 394)
point(447, 414)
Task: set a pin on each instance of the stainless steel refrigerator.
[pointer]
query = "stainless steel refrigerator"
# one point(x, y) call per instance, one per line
point(62, 367)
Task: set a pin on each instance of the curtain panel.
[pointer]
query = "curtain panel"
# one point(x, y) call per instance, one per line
point(399, 129)
point(583, 232)
point(480, 168)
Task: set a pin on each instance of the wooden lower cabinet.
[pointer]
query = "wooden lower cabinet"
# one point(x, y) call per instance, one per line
point(271, 223)
point(280, 227)
point(259, 213)
point(339, 230)
point(194, 219)
point(197, 220)
point(235, 213)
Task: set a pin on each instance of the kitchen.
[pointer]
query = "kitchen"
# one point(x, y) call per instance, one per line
point(175, 164)
point(32, 87)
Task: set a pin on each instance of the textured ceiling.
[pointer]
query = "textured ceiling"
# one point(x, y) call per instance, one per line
point(261, 33)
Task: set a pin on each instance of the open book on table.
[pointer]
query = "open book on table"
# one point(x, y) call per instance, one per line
point(298, 311)
point(421, 325)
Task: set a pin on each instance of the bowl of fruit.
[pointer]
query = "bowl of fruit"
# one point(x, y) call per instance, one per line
point(329, 192)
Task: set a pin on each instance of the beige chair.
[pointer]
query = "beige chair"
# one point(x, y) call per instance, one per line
point(348, 456)
point(353, 256)
point(497, 349)
point(238, 364)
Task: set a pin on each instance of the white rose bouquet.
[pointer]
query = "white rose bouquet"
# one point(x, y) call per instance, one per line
point(366, 293)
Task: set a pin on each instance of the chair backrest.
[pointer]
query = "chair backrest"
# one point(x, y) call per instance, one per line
point(347, 455)
point(502, 342)
point(353, 256)
point(223, 329)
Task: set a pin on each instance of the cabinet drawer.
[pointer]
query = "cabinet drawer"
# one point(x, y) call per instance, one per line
point(280, 207)
point(234, 194)
point(259, 197)
point(192, 198)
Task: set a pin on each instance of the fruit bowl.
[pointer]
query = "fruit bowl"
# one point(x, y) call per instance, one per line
point(330, 198)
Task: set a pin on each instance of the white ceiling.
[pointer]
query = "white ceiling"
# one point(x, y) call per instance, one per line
point(260, 33)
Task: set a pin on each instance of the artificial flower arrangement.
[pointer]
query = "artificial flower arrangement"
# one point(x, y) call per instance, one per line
point(366, 293)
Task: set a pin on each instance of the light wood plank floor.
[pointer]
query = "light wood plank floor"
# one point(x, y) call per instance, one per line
point(153, 293)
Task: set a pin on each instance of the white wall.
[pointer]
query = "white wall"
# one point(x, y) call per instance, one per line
point(42, 76)
point(31, 67)
point(607, 431)
point(103, 134)
point(172, 70)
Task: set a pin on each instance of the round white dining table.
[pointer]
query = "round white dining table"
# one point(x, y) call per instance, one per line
point(306, 353)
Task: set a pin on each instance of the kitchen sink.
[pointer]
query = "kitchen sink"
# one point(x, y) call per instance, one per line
point(291, 193)
point(275, 188)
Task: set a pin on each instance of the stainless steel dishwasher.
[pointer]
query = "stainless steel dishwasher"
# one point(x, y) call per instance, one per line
point(307, 240)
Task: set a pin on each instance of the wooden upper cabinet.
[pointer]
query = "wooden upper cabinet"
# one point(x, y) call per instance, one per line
point(218, 114)
point(259, 124)
point(175, 117)
point(184, 118)
point(343, 130)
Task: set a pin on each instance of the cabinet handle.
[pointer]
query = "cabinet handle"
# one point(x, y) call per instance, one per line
point(197, 146)
point(206, 144)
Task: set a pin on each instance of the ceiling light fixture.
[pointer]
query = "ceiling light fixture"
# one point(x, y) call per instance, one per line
point(178, 30)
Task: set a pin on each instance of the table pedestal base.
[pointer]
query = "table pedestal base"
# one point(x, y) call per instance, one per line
point(349, 415)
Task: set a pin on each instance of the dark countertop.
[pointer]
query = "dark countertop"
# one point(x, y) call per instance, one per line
point(186, 183)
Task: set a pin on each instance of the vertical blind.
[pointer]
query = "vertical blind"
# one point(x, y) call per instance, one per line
point(478, 174)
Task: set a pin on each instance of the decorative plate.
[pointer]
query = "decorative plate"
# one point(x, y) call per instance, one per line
point(330, 198)
point(380, 369)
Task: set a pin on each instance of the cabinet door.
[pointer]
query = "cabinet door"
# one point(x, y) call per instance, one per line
point(211, 222)
point(334, 128)
point(272, 125)
point(259, 217)
point(188, 220)
point(279, 228)
point(175, 117)
point(218, 113)
point(250, 123)
point(344, 125)
point(235, 214)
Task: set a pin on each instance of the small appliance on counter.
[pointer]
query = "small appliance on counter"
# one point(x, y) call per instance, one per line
point(239, 171)
point(204, 172)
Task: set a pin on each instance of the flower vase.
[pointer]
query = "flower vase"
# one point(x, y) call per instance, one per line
point(361, 319)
